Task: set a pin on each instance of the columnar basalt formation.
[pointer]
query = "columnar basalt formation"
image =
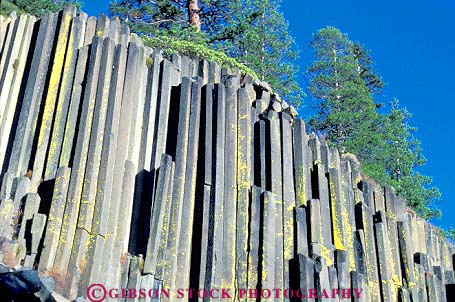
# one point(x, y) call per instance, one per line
point(124, 167)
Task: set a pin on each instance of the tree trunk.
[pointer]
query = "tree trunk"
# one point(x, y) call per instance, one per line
point(193, 14)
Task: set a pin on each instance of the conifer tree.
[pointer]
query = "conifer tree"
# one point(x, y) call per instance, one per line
point(264, 44)
point(34, 7)
point(366, 70)
point(402, 158)
point(344, 109)
point(254, 32)
point(157, 18)
point(342, 81)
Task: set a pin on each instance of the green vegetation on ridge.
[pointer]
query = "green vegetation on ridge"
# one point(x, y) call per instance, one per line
point(34, 7)
point(252, 32)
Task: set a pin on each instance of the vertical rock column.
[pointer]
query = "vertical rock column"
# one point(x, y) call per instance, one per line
point(76, 37)
point(254, 236)
point(158, 215)
point(122, 194)
point(320, 164)
point(51, 97)
point(230, 183)
point(122, 94)
point(187, 218)
point(288, 194)
point(105, 179)
point(243, 185)
point(151, 107)
point(275, 164)
point(13, 63)
point(169, 266)
point(28, 116)
point(73, 110)
point(131, 221)
point(87, 224)
point(217, 197)
point(4, 23)
point(388, 289)
point(407, 258)
point(207, 219)
point(302, 164)
point(365, 222)
point(348, 210)
point(336, 202)
point(268, 252)
point(80, 160)
point(55, 219)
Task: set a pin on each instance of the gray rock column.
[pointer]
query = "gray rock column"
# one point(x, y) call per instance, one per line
point(32, 202)
point(164, 97)
point(186, 228)
point(254, 242)
point(51, 97)
point(275, 173)
point(320, 163)
point(158, 215)
point(307, 280)
point(268, 241)
point(302, 164)
point(107, 165)
point(121, 234)
point(87, 219)
point(55, 219)
point(302, 231)
point(343, 273)
point(358, 283)
point(76, 35)
point(179, 183)
point(289, 201)
point(80, 160)
point(383, 247)
point(230, 183)
point(243, 186)
point(206, 256)
point(151, 107)
point(218, 194)
point(366, 216)
point(322, 281)
point(73, 110)
point(90, 183)
point(11, 79)
point(162, 247)
point(90, 29)
point(121, 154)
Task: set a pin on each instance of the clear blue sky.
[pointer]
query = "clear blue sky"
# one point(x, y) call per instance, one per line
point(413, 46)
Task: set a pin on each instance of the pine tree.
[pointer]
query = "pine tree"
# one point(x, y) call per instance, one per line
point(264, 44)
point(252, 31)
point(403, 156)
point(157, 18)
point(345, 111)
point(343, 81)
point(366, 70)
point(34, 7)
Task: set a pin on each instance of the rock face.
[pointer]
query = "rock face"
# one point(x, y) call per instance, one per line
point(124, 168)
